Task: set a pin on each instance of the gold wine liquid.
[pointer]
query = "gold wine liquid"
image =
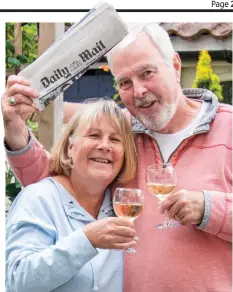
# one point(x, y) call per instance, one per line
point(160, 190)
point(127, 210)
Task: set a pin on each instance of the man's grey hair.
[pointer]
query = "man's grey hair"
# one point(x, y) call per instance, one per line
point(158, 35)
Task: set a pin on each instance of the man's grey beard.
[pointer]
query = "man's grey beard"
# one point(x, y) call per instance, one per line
point(160, 120)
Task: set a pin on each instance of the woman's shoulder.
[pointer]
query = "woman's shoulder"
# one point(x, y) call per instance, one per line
point(34, 200)
point(44, 189)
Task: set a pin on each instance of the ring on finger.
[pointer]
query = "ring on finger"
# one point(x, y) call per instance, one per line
point(12, 101)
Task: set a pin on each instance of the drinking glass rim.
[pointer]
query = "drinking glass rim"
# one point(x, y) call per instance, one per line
point(129, 189)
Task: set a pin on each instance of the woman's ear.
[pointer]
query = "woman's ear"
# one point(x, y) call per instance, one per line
point(70, 146)
point(69, 153)
point(177, 66)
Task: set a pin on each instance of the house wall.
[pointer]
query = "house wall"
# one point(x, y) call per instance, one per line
point(89, 86)
point(203, 42)
point(221, 68)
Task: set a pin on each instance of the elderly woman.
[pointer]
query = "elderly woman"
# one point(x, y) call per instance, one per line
point(64, 237)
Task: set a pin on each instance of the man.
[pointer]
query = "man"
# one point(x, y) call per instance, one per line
point(188, 128)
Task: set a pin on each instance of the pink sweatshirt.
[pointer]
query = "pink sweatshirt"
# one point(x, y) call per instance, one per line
point(182, 259)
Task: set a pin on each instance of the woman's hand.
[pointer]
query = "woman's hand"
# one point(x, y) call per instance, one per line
point(111, 233)
point(15, 115)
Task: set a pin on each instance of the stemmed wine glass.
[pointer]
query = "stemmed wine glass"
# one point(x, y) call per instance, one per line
point(128, 203)
point(161, 180)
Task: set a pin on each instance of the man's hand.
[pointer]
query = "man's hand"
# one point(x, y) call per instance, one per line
point(111, 233)
point(187, 207)
point(14, 116)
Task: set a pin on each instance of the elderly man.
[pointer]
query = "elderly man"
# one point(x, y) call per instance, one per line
point(187, 128)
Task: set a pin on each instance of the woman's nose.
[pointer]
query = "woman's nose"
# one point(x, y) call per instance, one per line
point(104, 145)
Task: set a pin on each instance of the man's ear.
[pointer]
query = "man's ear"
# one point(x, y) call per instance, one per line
point(177, 65)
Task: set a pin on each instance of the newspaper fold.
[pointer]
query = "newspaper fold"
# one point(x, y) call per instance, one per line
point(74, 52)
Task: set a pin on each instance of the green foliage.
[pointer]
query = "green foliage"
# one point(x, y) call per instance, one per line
point(204, 76)
point(29, 41)
point(13, 187)
point(116, 96)
point(32, 125)
point(29, 45)
point(12, 61)
point(216, 87)
point(10, 47)
point(29, 54)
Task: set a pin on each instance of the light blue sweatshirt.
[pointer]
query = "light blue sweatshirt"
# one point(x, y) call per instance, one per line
point(46, 249)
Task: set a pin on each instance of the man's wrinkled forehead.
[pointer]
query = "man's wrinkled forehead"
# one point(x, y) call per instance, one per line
point(137, 70)
point(131, 46)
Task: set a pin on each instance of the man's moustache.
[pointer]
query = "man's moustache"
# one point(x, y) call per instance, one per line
point(144, 101)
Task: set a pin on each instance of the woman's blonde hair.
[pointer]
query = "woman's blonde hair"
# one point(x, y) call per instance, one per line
point(60, 163)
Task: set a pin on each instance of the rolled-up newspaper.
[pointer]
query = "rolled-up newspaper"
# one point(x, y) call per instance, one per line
point(69, 57)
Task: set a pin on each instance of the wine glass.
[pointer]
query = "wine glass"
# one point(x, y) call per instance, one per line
point(161, 180)
point(128, 204)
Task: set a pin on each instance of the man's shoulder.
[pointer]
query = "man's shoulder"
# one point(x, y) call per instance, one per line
point(225, 108)
point(221, 127)
point(224, 114)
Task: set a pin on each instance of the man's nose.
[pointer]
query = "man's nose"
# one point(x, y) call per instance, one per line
point(139, 88)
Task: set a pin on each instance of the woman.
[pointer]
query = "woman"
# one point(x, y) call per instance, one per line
point(62, 237)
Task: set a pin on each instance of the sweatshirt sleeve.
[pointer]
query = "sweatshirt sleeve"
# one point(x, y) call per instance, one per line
point(35, 259)
point(218, 214)
point(31, 164)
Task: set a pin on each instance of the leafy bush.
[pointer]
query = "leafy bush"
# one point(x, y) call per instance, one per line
point(116, 96)
point(204, 76)
point(29, 45)
point(13, 187)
